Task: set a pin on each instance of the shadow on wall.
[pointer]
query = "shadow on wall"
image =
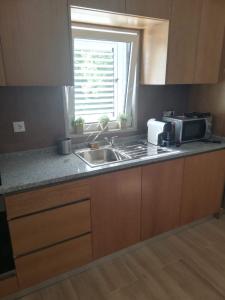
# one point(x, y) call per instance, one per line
point(210, 98)
point(42, 110)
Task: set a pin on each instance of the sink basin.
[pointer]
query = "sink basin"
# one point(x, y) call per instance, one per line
point(101, 156)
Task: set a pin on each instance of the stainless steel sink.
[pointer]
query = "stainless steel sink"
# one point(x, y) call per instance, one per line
point(102, 156)
point(121, 153)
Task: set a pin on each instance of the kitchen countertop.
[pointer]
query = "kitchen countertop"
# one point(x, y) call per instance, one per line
point(24, 170)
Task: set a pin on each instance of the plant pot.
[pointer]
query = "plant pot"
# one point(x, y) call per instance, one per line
point(79, 129)
point(123, 125)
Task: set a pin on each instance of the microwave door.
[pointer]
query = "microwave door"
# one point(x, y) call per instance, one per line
point(193, 130)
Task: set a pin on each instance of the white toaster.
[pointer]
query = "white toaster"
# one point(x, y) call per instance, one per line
point(155, 130)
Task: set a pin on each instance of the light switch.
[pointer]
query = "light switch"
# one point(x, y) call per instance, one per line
point(19, 126)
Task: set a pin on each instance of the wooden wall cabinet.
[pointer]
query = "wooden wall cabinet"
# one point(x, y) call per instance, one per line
point(203, 186)
point(149, 8)
point(195, 41)
point(183, 41)
point(116, 211)
point(222, 65)
point(35, 38)
point(161, 197)
point(210, 42)
point(2, 71)
point(115, 5)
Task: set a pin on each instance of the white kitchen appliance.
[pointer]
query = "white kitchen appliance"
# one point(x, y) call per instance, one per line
point(155, 131)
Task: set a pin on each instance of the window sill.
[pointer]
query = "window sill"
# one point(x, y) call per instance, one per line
point(105, 133)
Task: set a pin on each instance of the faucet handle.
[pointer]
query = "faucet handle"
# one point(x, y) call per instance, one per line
point(107, 139)
point(113, 139)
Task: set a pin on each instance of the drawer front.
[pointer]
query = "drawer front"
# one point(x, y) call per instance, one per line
point(42, 265)
point(8, 286)
point(47, 228)
point(29, 202)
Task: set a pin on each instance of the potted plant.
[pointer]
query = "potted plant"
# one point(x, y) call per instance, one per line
point(122, 121)
point(103, 121)
point(78, 125)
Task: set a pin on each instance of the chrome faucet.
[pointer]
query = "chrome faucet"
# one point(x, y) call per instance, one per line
point(96, 135)
point(111, 141)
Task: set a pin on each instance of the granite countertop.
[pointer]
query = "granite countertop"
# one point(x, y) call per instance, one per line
point(24, 170)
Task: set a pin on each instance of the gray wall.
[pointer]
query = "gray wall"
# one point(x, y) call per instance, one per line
point(42, 110)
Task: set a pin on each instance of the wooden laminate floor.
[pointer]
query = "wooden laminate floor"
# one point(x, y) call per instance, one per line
point(189, 264)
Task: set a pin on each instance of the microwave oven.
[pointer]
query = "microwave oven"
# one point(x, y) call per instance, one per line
point(191, 128)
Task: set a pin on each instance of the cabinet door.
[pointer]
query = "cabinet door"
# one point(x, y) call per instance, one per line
point(50, 262)
point(161, 197)
point(35, 40)
point(115, 5)
point(203, 186)
point(116, 204)
point(210, 41)
point(150, 8)
point(183, 41)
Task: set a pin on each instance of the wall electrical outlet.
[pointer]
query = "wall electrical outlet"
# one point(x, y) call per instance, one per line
point(19, 126)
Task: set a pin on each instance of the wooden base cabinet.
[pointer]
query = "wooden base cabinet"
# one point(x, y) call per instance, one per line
point(203, 186)
point(42, 265)
point(161, 197)
point(116, 211)
point(47, 228)
point(8, 286)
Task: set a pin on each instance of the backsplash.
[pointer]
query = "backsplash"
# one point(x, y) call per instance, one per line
point(42, 110)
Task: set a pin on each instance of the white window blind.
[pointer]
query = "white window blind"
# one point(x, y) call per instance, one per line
point(96, 78)
point(105, 63)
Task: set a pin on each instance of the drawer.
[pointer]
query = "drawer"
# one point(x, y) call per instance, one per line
point(8, 286)
point(37, 200)
point(44, 229)
point(42, 265)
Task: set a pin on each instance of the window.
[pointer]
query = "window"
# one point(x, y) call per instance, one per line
point(105, 67)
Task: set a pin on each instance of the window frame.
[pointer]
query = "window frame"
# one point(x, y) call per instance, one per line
point(110, 34)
